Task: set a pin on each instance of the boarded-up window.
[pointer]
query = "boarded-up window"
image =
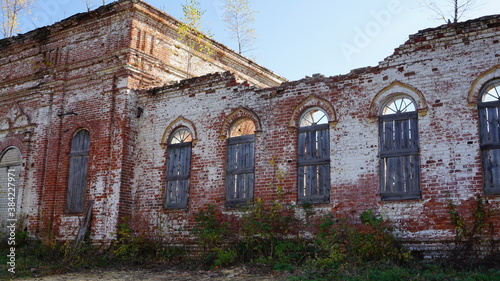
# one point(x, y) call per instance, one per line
point(178, 169)
point(314, 157)
point(399, 150)
point(78, 166)
point(10, 169)
point(240, 162)
point(489, 121)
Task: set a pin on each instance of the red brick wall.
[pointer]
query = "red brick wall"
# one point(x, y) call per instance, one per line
point(78, 74)
point(101, 64)
point(441, 69)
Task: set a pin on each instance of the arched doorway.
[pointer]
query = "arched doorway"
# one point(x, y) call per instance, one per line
point(10, 169)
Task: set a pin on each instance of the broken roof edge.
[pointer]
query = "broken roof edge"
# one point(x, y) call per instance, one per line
point(215, 80)
point(273, 79)
point(427, 34)
point(446, 31)
point(268, 77)
point(45, 31)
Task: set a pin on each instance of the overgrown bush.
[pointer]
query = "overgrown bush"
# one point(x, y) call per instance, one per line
point(340, 244)
point(473, 244)
point(265, 231)
point(211, 233)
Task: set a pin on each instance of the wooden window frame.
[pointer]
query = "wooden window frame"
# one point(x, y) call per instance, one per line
point(240, 170)
point(399, 156)
point(313, 157)
point(178, 173)
point(489, 126)
point(313, 164)
point(78, 172)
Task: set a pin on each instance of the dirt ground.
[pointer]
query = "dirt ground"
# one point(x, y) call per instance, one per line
point(232, 274)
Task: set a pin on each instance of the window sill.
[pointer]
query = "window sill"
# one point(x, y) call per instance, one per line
point(401, 196)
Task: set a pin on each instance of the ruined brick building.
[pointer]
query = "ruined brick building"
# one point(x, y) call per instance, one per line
point(97, 107)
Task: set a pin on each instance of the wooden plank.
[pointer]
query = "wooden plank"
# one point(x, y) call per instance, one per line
point(185, 168)
point(301, 146)
point(171, 161)
point(324, 174)
point(300, 179)
point(309, 145)
point(492, 124)
point(388, 136)
point(240, 186)
point(230, 187)
point(406, 172)
point(391, 174)
point(398, 134)
point(241, 157)
point(311, 180)
point(323, 144)
point(406, 135)
point(495, 168)
point(250, 185)
point(488, 181)
point(84, 228)
point(77, 182)
point(81, 141)
point(414, 134)
point(483, 125)
point(398, 175)
point(168, 193)
point(231, 158)
point(250, 157)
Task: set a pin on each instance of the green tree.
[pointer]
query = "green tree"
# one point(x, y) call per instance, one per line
point(239, 19)
point(11, 10)
point(190, 32)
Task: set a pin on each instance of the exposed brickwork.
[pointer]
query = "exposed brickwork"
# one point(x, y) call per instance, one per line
point(79, 73)
point(438, 78)
point(112, 72)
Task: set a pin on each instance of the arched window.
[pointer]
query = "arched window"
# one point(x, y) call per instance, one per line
point(10, 169)
point(313, 157)
point(240, 162)
point(178, 169)
point(489, 126)
point(78, 165)
point(399, 150)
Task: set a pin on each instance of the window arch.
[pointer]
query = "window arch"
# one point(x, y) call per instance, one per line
point(240, 162)
point(489, 126)
point(78, 166)
point(313, 158)
point(399, 149)
point(10, 169)
point(178, 168)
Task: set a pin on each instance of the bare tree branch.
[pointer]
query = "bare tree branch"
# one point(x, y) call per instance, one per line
point(11, 10)
point(239, 19)
point(452, 10)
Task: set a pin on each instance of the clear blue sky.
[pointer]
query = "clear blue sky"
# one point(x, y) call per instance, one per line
point(296, 38)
